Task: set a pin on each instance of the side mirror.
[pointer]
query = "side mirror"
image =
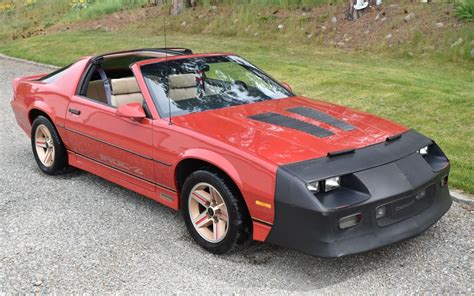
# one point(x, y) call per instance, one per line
point(131, 110)
point(287, 86)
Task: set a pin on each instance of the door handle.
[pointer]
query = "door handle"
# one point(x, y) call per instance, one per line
point(74, 111)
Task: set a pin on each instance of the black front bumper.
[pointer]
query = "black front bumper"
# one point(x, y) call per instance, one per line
point(310, 223)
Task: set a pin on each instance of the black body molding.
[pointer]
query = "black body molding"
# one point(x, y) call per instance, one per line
point(390, 174)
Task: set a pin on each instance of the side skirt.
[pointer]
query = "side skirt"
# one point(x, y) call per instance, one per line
point(160, 194)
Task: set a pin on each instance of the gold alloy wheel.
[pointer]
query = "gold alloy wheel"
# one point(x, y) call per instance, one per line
point(44, 145)
point(208, 212)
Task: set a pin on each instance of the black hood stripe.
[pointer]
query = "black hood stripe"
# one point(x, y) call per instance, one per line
point(321, 116)
point(293, 123)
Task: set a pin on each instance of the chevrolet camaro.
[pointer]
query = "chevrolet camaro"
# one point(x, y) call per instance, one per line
point(241, 155)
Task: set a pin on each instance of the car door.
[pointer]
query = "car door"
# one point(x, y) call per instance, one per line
point(99, 135)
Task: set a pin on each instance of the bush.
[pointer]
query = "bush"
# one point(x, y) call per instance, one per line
point(465, 10)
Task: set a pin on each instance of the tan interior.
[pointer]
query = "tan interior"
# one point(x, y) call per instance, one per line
point(124, 91)
point(96, 91)
point(182, 87)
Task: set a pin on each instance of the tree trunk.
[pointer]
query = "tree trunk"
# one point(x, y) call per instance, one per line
point(178, 6)
point(156, 2)
point(352, 13)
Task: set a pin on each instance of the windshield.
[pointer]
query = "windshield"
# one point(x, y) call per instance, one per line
point(198, 84)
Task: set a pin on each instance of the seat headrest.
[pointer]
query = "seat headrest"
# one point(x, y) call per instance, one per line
point(123, 86)
point(182, 80)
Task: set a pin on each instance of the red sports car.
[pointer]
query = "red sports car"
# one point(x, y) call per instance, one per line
point(240, 154)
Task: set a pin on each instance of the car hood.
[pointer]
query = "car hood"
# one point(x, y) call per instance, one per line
point(248, 128)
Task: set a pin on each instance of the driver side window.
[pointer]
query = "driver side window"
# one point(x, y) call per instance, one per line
point(113, 88)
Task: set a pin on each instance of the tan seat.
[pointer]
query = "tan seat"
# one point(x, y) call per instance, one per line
point(124, 91)
point(96, 91)
point(182, 87)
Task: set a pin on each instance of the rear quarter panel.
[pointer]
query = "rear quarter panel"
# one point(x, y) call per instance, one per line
point(50, 98)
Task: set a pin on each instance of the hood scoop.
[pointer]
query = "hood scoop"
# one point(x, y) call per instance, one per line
point(321, 116)
point(292, 123)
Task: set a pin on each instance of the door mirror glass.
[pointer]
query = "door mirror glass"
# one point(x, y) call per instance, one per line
point(131, 110)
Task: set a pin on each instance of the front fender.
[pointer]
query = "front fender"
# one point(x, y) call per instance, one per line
point(251, 186)
point(216, 160)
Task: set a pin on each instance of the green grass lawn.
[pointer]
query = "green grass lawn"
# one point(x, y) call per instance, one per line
point(427, 94)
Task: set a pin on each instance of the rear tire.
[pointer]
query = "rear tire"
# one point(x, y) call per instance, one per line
point(48, 149)
point(214, 212)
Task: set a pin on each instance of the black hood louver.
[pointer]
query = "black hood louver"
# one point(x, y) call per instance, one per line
point(293, 123)
point(321, 116)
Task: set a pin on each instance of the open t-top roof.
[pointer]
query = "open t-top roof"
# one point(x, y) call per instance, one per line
point(145, 52)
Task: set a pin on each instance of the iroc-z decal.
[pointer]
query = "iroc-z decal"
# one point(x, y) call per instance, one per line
point(120, 164)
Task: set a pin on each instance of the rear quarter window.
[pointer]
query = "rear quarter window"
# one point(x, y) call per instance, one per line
point(53, 76)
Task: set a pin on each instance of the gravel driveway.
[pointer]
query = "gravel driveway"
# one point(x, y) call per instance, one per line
point(80, 233)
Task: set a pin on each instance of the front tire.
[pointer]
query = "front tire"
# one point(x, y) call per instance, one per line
point(214, 212)
point(48, 149)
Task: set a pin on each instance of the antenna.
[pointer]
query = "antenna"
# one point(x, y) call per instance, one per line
point(167, 72)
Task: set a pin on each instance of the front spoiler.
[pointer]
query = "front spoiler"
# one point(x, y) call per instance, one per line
point(303, 223)
point(317, 234)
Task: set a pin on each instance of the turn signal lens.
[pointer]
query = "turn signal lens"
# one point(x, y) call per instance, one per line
point(350, 221)
point(263, 204)
point(420, 194)
point(332, 183)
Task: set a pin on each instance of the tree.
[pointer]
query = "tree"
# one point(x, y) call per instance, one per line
point(180, 5)
point(358, 7)
point(156, 2)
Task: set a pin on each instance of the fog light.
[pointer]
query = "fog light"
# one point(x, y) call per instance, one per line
point(421, 194)
point(444, 181)
point(350, 221)
point(380, 212)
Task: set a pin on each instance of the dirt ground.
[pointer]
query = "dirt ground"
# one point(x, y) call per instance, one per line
point(388, 24)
